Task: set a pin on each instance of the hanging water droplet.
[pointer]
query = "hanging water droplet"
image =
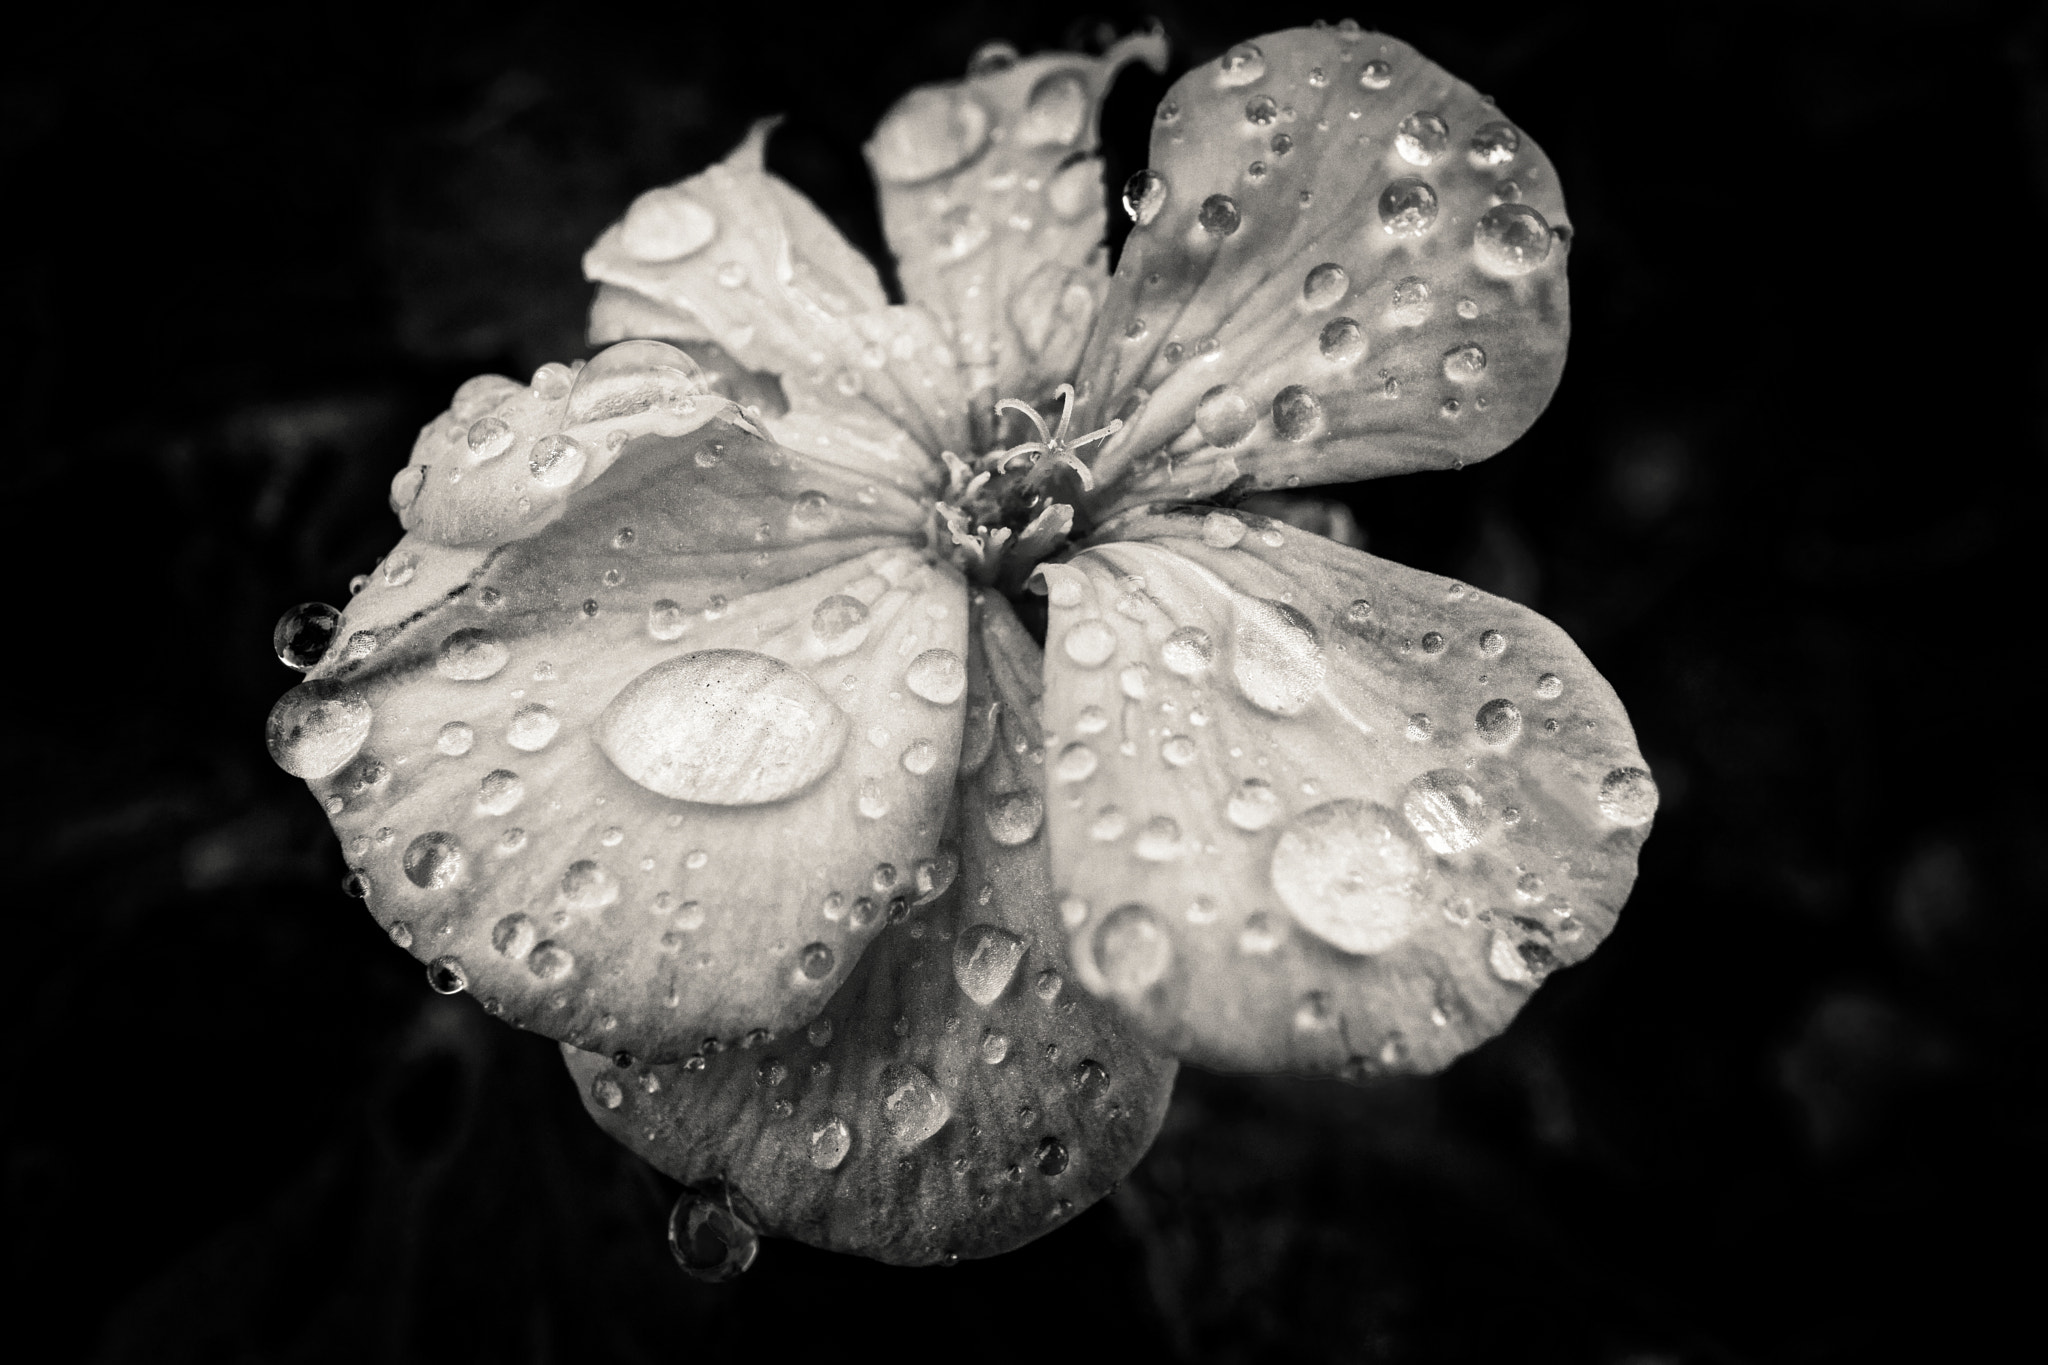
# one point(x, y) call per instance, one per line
point(1498, 722)
point(471, 655)
point(1013, 817)
point(913, 1107)
point(1494, 145)
point(446, 976)
point(1407, 208)
point(1145, 195)
point(405, 490)
point(666, 225)
point(1297, 413)
point(1242, 65)
point(533, 725)
point(1253, 805)
point(316, 728)
point(1375, 75)
point(1089, 643)
point(1347, 876)
point(1132, 951)
point(708, 1240)
point(1628, 796)
point(1342, 341)
point(1076, 763)
point(1421, 138)
point(1446, 810)
point(455, 739)
point(1550, 687)
point(1219, 215)
point(830, 1142)
point(1463, 364)
point(1224, 417)
point(841, 624)
point(1220, 530)
point(1511, 239)
point(1277, 657)
point(984, 959)
point(937, 675)
point(555, 461)
point(723, 727)
point(302, 635)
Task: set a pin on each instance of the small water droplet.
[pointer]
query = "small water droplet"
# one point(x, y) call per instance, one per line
point(433, 861)
point(1511, 239)
point(708, 1240)
point(1433, 644)
point(913, 1107)
point(1498, 722)
point(1145, 195)
point(1446, 810)
point(1108, 825)
point(1159, 840)
point(555, 461)
point(1046, 987)
point(920, 757)
point(1253, 805)
point(1342, 341)
point(1297, 413)
point(471, 655)
point(1277, 657)
point(1550, 687)
point(1241, 65)
point(587, 886)
point(1178, 750)
point(1076, 763)
point(607, 1092)
point(1013, 817)
point(841, 624)
point(830, 1142)
point(1492, 643)
point(446, 976)
point(455, 739)
point(1188, 652)
point(514, 936)
point(1219, 215)
point(1089, 643)
point(1261, 111)
point(401, 933)
point(1220, 530)
point(550, 961)
point(937, 675)
point(1051, 1156)
point(984, 959)
point(1375, 75)
point(1132, 951)
point(665, 620)
point(872, 803)
point(1407, 208)
point(1628, 796)
point(1421, 138)
point(1224, 417)
point(303, 634)
point(1347, 875)
point(1493, 145)
point(488, 438)
point(994, 1047)
point(533, 725)
point(316, 728)
point(1464, 363)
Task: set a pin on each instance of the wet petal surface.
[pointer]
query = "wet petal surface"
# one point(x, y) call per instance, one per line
point(1338, 814)
point(618, 769)
point(1358, 269)
point(993, 201)
point(959, 1095)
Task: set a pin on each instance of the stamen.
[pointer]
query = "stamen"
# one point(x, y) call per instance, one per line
point(1004, 405)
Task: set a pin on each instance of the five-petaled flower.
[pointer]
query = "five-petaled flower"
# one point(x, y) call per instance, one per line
point(695, 721)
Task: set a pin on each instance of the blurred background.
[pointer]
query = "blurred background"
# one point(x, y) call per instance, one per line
point(1790, 1112)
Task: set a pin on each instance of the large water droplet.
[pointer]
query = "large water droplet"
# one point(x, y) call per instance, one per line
point(1241, 65)
point(666, 225)
point(471, 655)
point(984, 959)
point(913, 1107)
point(841, 624)
point(724, 727)
point(1253, 805)
point(1188, 651)
point(1494, 145)
point(634, 377)
point(556, 460)
point(316, 728)
point(937, 675)
point(1446, 810)
point(303, 634)
point(1297, 413)
point(1348, 876)
point(1421, 138)
point(830, 1142)
point(1628, 796)
point(929, 132)
point(1498, 722)
point(433, 861)
point(708, 1240)
point(1145, 195)
point(1219, 215)
point(533, 725)
point(1055, 112)
point(1341, 341)
point(1089, 643)
point(1132, 951)
point(1224, 417)
point(1013, 817)
point(1407, 208)
point(1511, 239)
point(1277, 658)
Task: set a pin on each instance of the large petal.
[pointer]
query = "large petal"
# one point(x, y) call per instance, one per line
point(607, 773)
point(1350, 265)
point(959, 1096)
point(992, 199)
point(736, 256)
point(1324, 811)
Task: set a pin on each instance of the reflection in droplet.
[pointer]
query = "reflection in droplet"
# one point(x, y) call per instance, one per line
point(1375, 75)
point(1188, 651)
point(1463, 364)
point(1297, 413)
point(1550, 687)
point(1241, 65)
point(556, 460)
point(1493, 145)
point(1145, 195)
point(631, 378)
point(723, 727)
point(1407, 208)
point(1013, 817)
point(1421, 138)
point(1324, 285)
point(302, 635)
point(1219, 215)
point(1341, 341)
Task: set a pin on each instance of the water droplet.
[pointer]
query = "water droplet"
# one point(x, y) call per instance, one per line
point(1419, 727)
point(1261, 111)
point(1051, 1157)
point(1089, 643)
point(920, 757)
point(1253, 805)
point(550, 961)
point(991, 59)
point(471, 655)
point(708, 1240)
point(1219, 215)
point(1433, 644)
point(872, 803)
point(1108, 825)
point(1055, 112)
point(1550, 687)
point(1159, 840)
point(1511, 239)
point(405, 490)
point(1342, 341)
point(1220, 530)
point(994, 1047)
point(1224, 417)
point(723, 727)
point(666, 225)
point(1241, 65)
point(488, 438)
point(816, 961)
point(514, 936)
point(1076, 763)
point(303, 634)
point(1494, 145)
point(1132, 951)
point(631, 378)
point(984, 959)
point(316, 728)
point(1498, 722)
point(819, 1032)
point(1375, 75)
point(929, 132)
point(731, 275)
point(401, 933)
point(1347, 876)
point(1297, 413)
point(587, 886)
point(1407, 208)
point(937, 675)
point(1178, 750)
point(555, 461)
point(1145, 195)
point(1188, 651)
point(1463, 364)
point(1446, 810)
point(1421, 138)
point(933, 876)
point(1013, 817)
point(1492, 643)
point(841, 624)
point(433, 861)
point(1046, 987)
point(446, 976)
point(455, 739)
point(1277, 658)
point(1628, 796)
point(606, 1092)
point(812, 511)
point(913, 1108)
point(830, 1142)
point(533, 725)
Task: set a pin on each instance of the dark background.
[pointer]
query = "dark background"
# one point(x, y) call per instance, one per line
point(1790, 1112)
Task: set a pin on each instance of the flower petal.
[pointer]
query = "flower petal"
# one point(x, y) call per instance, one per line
point(612, 769)
point(1329, 812)
point(736, 256)
point(958, 1096)
point(1358, 269)
point(992, 200)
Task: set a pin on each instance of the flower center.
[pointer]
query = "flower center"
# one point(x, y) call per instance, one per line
point(1013, 507)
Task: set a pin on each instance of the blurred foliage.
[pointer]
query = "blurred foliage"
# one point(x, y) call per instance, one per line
point(1779, 1117)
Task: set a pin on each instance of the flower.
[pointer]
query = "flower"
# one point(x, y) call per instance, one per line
point(696, 722)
